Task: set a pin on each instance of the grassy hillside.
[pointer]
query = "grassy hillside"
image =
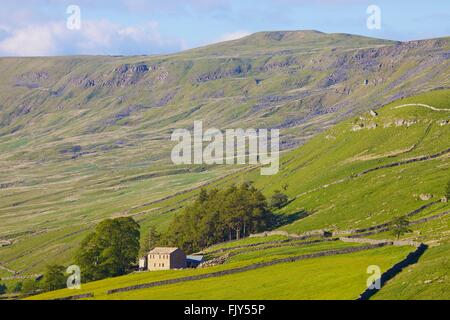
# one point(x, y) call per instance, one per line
point(338, 277)
point(87, 138)
point(301, 271)
point(359, 174)
point(326, 180)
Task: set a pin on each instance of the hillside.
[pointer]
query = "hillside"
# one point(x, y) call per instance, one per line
point(368, 169)
point(352, 181)
point(86, 138)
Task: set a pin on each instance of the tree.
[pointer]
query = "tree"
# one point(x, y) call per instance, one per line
point(278, 200)
point(109, 251)
point(30, 286)
point(400, 226)
point(217, 216)
point(17, 288)
point(54, 278)
point(3, 288)
point(151, 240)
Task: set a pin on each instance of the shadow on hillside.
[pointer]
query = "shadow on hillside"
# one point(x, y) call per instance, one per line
point(280, 220)
point(411, 259)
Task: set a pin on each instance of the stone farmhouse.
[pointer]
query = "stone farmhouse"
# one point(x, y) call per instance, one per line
point(164, 258)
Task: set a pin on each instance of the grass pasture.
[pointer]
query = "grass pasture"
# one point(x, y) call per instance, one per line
point(384, 257)
point(335, 277)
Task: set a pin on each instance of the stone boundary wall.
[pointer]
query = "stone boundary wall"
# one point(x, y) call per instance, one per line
point(77, 297)
point(269, 245)
point(369, 241)
point(384, 225)
point(280, 245)
point(406, 243)
point(366, 231)
point(248, 268)
point(244, 246)
point(395, 164)
point(7, 269)
point(270, 233)
point(5, 243)
point(370, 233)
point(412, 258)
point(423, 220)
point(10, 297)
point(375, 241)
point(22, 277)
point(303, 236)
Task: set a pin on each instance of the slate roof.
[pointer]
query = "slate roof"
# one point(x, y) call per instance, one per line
point(195, 258)
point(163, 250)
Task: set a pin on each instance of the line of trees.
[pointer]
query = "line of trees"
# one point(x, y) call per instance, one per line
point(54, 278)
point(220, 215)
point(26, 287)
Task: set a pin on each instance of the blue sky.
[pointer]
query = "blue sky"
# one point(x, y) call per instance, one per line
point(132, 27)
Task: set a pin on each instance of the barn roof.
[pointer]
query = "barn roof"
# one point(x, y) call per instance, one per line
point(194, 258)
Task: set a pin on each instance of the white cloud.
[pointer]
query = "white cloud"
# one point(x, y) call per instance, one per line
point(233, 36)
point(30, 41)
point(95, 37)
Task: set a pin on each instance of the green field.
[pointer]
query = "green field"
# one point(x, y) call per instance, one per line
point(383, 257)
point(339, 277)
point(335, 277)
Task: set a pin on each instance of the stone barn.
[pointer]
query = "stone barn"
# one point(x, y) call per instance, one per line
point(194, 261)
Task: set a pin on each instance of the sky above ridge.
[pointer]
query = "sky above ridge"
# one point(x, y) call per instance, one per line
point(135, 27)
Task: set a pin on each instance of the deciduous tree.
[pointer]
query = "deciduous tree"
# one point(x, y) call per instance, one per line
point(400, 226)
point(151, 239)
point(278, 200)
point(54, 278)
point(3, 288)
point(110, 250)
